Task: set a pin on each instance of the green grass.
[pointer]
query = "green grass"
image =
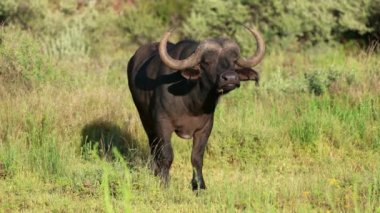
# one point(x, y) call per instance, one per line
point(306, 140)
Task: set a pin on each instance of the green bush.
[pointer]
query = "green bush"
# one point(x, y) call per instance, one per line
point(21, 12)
point(374, 18)
point(309, 22)
point(7, 10)
point(283, 23)
point(214, 18)
point(171, 12)
point(294, 21)
point(351, 16)
point(70, 41)
point(319, 81)
point(22, 62)
point(324, 81)
point(142, 24)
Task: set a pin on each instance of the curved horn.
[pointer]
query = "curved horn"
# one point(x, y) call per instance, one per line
point(260, 50)
point(175, 64)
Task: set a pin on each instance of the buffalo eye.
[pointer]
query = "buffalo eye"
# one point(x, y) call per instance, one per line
point(232, 54)
point(206, 62)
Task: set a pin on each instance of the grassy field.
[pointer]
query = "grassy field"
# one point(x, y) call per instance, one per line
point(306, 140)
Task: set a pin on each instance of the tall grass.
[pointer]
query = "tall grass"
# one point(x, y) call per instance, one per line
point(43, 155)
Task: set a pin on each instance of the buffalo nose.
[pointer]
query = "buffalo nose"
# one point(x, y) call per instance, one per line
point(229, 77)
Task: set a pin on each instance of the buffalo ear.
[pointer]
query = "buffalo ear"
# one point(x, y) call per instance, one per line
point(192, 73)
point(248, 74)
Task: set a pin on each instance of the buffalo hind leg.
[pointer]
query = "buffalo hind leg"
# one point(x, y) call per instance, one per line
point(153, 143)
point(162, 152)
point(199, 145)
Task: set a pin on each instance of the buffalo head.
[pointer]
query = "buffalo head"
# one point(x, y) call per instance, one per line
point(218, 61)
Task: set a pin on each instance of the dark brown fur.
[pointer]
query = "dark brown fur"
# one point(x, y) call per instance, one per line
point(168, 102)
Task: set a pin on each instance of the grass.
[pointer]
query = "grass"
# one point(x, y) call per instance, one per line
point(306, 140)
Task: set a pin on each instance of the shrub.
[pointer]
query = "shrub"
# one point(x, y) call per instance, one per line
point(214, 18)
point(22, 62)
point(310, 22)
point(22, 12)
point(374, 18)
point(318, 82)
point(70, 41)
point(292, 21)
point(7, 9)
point(323, 81)
point(141, 23)
point(172, 12)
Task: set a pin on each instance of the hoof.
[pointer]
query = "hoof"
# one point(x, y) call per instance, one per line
point(196, 187)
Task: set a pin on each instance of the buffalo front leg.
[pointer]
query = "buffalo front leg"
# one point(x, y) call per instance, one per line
point(199, 145)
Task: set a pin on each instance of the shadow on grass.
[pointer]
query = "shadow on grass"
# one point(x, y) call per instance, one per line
point(101, 136)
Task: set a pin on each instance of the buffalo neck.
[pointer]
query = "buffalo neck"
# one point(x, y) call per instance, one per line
point(203, 97)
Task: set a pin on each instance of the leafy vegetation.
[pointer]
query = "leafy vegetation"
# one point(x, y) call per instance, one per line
point(307, 139)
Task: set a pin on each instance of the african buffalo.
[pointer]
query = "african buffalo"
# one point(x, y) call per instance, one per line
point(176, 88)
